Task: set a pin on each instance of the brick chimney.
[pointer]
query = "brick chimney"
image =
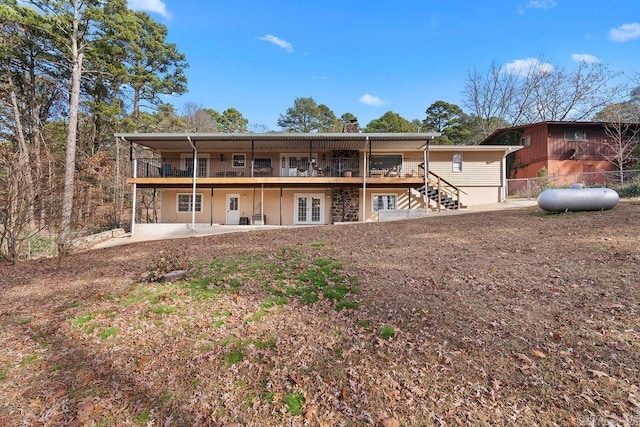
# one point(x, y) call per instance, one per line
point(351, 127)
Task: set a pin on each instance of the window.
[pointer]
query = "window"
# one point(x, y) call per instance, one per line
point(184, 202)
point(383, 202)
point(575, 135)
point(238, 160)
point(203, 164)
point(385, 162)
point(525, 141)
point(457, 162)
point(262, 163)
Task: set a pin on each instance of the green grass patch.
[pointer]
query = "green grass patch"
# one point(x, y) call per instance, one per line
point(108, 333)
point(234, 356)
point(3, 375)
point(349, 305)
point(144, 417)
point(364, 323)
point(294, 402)
point(285, 275)
point(28, 359)
point(268, 344)
point(274, 301)
point(387, 332)
point(318, 244)
point(163, 309)
point(83, 320)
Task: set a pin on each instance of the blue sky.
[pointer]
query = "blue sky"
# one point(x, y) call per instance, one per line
point(370, 57)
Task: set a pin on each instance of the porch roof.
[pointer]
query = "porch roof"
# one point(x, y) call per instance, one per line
point(282, 141)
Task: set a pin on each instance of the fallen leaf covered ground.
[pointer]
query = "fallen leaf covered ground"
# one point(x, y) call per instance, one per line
point(513, 317)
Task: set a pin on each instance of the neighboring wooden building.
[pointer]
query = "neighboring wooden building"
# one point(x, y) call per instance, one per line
point(563, 148)
point(297, 179)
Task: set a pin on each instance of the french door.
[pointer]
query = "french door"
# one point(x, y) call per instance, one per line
point(309, 209)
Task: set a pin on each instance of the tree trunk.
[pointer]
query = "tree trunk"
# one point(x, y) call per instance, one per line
point(77, 56)
point(24, 167)
point(136, 108)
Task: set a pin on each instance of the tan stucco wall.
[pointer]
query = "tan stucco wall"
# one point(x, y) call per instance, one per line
point(275, 206)
point(480, 179)
point(169, 207)
point(249, 204)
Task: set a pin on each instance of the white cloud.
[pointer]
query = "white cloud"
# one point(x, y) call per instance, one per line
point(154, 6)
point(278, 42)
point(541, 4)
point(625, 32)
point(537, 4)
point(523, 67)
point(585, 57)
point(372, 100)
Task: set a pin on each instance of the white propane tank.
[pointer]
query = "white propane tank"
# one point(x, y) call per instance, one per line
point(577, 199)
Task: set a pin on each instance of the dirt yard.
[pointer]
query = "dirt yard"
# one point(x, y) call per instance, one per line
point(515, 317)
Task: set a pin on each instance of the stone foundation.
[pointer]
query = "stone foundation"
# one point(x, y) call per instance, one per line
point(345, 204)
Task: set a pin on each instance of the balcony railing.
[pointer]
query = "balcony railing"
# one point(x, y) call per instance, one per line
point(289, 167)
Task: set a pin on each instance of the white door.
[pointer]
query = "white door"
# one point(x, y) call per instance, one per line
point(233, 209)
point(309, 209)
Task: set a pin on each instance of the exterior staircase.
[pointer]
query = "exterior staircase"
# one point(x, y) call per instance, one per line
point(442, 192)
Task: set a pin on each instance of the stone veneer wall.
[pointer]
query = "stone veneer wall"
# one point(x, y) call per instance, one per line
point(345, 204)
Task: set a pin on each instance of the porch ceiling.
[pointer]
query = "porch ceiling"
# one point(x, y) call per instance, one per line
point(279, 142)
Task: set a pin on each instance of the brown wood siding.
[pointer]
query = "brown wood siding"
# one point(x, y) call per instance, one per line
point(537, 149)
point(590, 149)
point(548, 148)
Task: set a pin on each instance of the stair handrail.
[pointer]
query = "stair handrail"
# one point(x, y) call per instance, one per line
point(454, 191)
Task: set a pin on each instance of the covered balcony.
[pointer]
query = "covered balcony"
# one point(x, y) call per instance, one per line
point(277, 159)
point(219, 167)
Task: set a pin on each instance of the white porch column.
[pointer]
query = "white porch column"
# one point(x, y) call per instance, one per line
point(425, 160)
point(367, 147)
point(134, 191)
point(193, 191)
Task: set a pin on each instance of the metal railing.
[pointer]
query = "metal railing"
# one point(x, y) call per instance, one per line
point(282, 167)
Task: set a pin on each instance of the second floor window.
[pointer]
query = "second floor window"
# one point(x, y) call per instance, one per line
point(575, 135)
point(457, 162)
point(239, 160)
point(203, 165)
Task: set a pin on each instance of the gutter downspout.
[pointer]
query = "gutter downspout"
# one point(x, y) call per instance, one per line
point(195, 176)
point(364, 179)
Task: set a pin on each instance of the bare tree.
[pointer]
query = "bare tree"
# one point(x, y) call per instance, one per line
point(623, 139)
point(16, 210)
point(535, 90)
point(197, 119)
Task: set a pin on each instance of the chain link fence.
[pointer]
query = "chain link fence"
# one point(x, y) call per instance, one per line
point(530, 188)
